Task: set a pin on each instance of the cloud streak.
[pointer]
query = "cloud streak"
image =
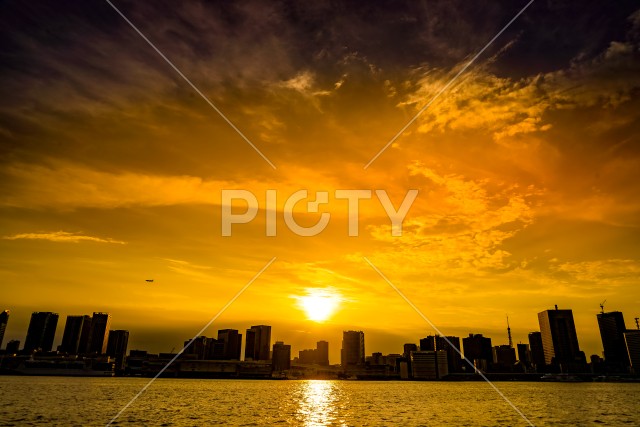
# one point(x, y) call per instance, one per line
point(64, 237)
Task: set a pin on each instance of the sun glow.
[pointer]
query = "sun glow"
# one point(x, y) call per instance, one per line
point(319, 304)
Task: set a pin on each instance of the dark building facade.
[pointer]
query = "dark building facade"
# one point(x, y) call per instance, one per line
point(352, 354)
point(407, 349)
point(41, 332)
point(436, 343)
point(13, 347)
point(307, 357)
point(117, 344)
point(231, 344)
point(478, 350)
point(612, 329)
point(76, 334)
point(559, 338)
point(524, 354)
point(258, 343)
point(504, 357)
point(428, 343)
point(537, 351)
point(281, 360)
point(632, 341)
point(99, 333)
point(4, 319)
point(322, 350)
point(198, 347)
point(316, 356)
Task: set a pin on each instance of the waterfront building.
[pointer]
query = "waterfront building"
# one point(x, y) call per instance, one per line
point(478, 350)
point(612, 329)
point(230, 345)
point(41, 332)
point(4, 319)
point(560, 340)
point(352, 354)
point(117, 344)
point(258, 343)
point(99, 333)
point(76, 334)
point(281, 360)
point(632, 342)
point(429, 365)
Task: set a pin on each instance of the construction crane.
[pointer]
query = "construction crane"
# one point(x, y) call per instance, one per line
point(602, 306)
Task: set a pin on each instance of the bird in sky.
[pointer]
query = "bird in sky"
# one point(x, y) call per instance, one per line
point(149, 280)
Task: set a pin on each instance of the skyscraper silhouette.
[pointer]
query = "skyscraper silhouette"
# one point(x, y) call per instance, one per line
point(4, 319)
point(559, 338)
point(537, 351)
point(231, 344)
point(76, 334)
point(478, 350)
point(322, 353)
point(99, 333)
point(632, 341)
point(612, 329)
point(281, 356)
point(258, 343)
point(117, 346)
point(352, 355)
point(436, 342)
point(42, 330)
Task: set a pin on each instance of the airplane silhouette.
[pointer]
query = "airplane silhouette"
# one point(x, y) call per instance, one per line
point(149, 280)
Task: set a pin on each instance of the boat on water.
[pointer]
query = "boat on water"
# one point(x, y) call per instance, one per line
point(565, 378)
point(66, 368)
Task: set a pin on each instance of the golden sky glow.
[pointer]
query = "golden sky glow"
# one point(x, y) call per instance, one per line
point(112, 169)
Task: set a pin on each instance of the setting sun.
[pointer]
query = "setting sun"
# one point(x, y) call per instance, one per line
point(319, 304)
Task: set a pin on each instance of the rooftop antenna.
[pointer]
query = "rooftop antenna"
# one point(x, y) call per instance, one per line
point(509, 332)
point(602, 306)
point(637, 324)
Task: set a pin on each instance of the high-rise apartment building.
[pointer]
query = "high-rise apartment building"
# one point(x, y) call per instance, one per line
point(76, 334)
point(99, 333)
point(352, 354)
point(632, 342)
point(41, 332)
point(524, 354)
point(4, 319)
point(231, 344)
point(478, 350)
point(504, 357)
point(200, 347)
point(612, 329)
point(449, 344)
point(117, 346)
point(407, 349)
point(429, 365)
point(281, 360)
point(258, 343)
point(322, 353)
point(537, 351)
point(559, 338)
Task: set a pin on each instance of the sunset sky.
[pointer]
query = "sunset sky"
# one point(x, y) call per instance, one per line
point(112, 166)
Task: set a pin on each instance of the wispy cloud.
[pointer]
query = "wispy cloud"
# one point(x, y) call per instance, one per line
point(63, 236)
point(195, 271)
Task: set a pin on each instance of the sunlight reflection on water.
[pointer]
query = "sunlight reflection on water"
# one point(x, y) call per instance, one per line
point(319, 402)
point(66, 402)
